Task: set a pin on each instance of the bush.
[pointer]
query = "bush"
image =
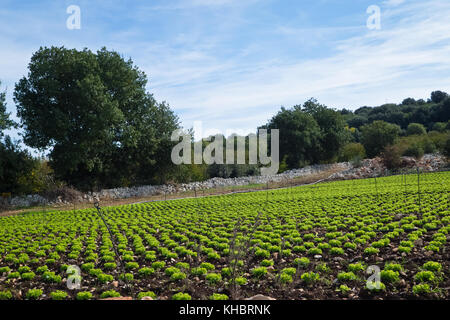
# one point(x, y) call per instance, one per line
point(84, 295)
point(392, 157)
point(415, 151)
point(377, 135)
point(415, 129)
point(352, 152)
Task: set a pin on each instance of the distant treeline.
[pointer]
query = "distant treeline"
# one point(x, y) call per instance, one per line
point(91, 113)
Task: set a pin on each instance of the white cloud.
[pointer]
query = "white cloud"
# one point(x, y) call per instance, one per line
point(403, 59)
point(393, 3)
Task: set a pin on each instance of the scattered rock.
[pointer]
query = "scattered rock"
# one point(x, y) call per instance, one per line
point(147, 298)
point(260, 297)
point(118, 298)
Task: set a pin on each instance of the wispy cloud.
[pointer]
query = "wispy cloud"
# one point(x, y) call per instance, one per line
point(236, 64)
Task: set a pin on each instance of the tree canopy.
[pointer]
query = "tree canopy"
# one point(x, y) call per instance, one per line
point(94, 115)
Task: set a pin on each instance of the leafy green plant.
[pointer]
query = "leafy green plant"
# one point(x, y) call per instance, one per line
point(213, 278)
point(58, 295)
point(310, 277)
point(84, 295)
point(5, 295)
point(109, 294)
point(218, 296)
point(181, 296)
point(143, 294)
point(259, 272)
point(33, 294)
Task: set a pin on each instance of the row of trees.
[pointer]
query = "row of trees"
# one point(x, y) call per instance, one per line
point(91, 113)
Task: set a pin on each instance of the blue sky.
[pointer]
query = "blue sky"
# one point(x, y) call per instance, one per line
point(233, 63)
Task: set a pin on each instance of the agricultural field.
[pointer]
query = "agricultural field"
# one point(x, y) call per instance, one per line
point(309, 242)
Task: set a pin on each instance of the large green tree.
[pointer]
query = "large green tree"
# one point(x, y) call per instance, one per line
point(94, 115)
point(299, 136)
point(377, 135)
point(333, 135)
point(14, 162)
point(5, 122)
